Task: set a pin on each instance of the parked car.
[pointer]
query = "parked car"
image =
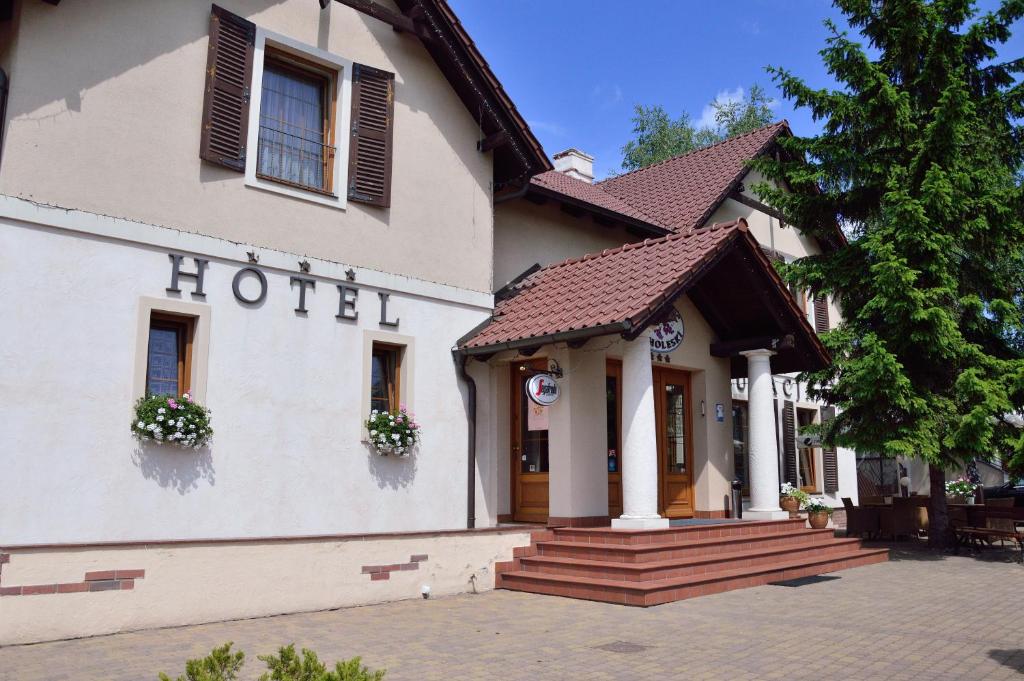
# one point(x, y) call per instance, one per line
point(1010, 489)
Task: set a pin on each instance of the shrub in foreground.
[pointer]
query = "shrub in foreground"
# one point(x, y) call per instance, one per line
point(287, 665)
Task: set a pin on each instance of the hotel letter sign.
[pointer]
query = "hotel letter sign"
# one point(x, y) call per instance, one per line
point(348, 294)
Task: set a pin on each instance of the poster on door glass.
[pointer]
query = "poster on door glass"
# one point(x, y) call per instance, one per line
point(536, 417)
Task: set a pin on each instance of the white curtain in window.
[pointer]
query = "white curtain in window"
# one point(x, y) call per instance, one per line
point(291, 144)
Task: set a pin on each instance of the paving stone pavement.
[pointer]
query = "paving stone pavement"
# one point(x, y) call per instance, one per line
point(919, 616)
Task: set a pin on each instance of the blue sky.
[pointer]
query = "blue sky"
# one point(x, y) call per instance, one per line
point(575, 68)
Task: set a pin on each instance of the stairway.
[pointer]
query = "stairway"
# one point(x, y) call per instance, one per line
point(650, 567)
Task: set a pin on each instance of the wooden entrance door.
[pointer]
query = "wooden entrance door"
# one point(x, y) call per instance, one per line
point(529, 440)
point(672, 409)
point(613, 386)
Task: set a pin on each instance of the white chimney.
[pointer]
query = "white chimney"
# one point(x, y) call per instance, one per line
point(575, 163)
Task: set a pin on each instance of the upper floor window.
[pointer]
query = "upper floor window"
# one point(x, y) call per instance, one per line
point(296, 124)
point(322, 126)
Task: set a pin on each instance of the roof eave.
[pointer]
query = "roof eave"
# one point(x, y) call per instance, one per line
point(622, 327)
point(640, 226)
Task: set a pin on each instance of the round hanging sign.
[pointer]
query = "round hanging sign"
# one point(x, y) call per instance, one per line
point(667, 335)
point(542, 389)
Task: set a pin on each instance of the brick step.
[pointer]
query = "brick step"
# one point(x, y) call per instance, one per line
point(608, 535)
point(635, 553)
point(680, 567)
point(679, 588)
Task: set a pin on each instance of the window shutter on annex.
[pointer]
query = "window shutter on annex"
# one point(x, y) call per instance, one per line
point(228, 78)
point(789, 441)
point(369, 156)
point(821, 314)
point(830, 457)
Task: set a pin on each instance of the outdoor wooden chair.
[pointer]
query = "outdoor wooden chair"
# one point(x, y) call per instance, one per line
point(860, 520)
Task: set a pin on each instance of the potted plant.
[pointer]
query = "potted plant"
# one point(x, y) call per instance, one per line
point(817, 512)
point(961, 490)
point(173, 420)
point(392, 433)
point(791, 497)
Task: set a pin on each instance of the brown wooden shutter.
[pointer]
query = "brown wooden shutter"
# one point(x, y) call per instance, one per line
point(789, 441)
point(228, 78)
point(830, 457)
point(821, 314)
point(3, 108)
point(369, 154)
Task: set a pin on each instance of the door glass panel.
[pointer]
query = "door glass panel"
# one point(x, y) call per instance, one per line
point(805, 468)
point(675, 427)
point(611, 387)
point(534, 435)
point(740, 437)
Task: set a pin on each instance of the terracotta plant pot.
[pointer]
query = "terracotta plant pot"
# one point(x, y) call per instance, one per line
point(818, 519)
point(790, 504)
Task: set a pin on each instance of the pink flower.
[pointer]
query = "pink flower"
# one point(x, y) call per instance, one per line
point(172, 404)
point(398, 419)
point(401, 407)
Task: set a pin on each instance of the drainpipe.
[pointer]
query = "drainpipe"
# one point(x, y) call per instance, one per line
point(461, 360)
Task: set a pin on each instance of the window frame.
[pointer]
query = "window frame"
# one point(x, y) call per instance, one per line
point(198, 369)
point(185, 327)
point(394, 364)
point(405, 372)
point(329, 101)
point(284, 49)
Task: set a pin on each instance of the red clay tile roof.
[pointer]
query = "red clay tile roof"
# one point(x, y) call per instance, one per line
point(592, 195)
point(682, 192)
point(620, 287)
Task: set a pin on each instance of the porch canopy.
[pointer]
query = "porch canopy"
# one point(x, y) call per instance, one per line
point(623, 290)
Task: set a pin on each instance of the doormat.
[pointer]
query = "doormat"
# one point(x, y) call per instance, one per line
point(804, 581)
point(622, 647)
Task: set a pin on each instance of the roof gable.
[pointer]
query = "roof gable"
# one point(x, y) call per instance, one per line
point(684, 191)
point(622, 290)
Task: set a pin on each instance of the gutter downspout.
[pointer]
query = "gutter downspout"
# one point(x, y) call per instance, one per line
point(461, 360)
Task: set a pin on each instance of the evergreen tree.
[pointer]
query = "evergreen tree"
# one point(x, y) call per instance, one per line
point(919, 161)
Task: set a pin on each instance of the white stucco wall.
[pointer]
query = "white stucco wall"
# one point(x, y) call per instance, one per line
point(285, 390)
point(105, 115)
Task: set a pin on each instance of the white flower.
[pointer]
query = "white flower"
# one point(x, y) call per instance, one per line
point(151, 427)
point(161, 410)
point(159, 418)
point(140, 424)
point(373, 433)
point(396, 437)
point(408, 440)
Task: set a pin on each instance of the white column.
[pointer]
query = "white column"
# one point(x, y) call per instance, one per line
point(764, 450)
point(639, 440)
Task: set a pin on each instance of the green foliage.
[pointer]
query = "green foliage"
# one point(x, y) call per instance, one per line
point(162, 418)
point(223, 665)
point(395, 433)
point(658, 137)
point(920, 161)
point(220, 665)
point(290, 666)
